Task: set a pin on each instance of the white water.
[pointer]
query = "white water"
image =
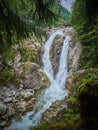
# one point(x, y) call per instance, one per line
point(54, 92)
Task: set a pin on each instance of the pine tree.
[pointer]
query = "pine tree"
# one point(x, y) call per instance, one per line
point(19, 18)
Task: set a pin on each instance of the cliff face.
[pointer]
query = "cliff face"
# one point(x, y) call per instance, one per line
point(21, 77)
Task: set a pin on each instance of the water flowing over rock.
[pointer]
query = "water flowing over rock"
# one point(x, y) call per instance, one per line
point(55, 92)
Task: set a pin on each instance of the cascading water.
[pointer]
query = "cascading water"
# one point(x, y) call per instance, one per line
point(54, 92)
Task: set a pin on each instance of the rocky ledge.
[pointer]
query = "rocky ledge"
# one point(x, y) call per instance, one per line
point(55, 112)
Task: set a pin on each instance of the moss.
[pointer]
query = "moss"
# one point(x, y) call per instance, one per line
point(25, 69)
point(87, 91)
point(56, 126)
point(9, 55)
point(88, 97)
point(7, 76)
point(27, 53)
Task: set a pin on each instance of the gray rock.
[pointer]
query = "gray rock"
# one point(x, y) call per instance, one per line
point(8, 100)
point(2, 108)
point(32, 78)
point(9, 114)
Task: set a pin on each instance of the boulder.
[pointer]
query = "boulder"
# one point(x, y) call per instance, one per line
point(32, 78)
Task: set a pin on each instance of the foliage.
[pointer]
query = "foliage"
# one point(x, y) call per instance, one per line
point(7, 76)
point(87, 91)
point(56, 126)
point(72, 113)
point(85, 22)
point(20, 17)
point(27, 53)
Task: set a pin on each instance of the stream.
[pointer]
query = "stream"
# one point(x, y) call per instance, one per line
point(55, 92)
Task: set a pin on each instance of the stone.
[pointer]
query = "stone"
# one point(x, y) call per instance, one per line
point(32, 78)
point(8, 100)
point(51, 113)
point(27, 95)
point(2, 108)
point(10, 113)
point(20, 106)
point(69, 83)
point(3, 123)
point(45, 79)
point(30, 104)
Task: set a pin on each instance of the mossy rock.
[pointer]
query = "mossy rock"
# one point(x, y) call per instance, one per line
point(87, 90)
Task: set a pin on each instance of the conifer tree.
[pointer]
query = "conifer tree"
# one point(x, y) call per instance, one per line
point(18, 18)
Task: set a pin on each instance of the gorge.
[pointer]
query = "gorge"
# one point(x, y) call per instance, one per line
point(55, 92)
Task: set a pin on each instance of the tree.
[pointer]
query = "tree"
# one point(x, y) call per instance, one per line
point(18, 18)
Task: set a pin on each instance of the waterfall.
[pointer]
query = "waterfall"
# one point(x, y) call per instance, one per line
point(53, 93)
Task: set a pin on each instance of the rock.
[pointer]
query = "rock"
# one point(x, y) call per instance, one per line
point(20, 106)
point(3, 123)
point(45, 79)
point(73, 56)
point(8, 100)
point(69, 83)
point(9, 114)
point(27, 95)
point(30, 104)
point(51, 114)
point(32, 78)
point(55, 52)
point(2, 108)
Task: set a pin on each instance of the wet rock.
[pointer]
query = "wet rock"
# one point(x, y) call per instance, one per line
point(51, 114)
point(45, 79)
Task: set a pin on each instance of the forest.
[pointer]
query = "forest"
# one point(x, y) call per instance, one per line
point(28, 23)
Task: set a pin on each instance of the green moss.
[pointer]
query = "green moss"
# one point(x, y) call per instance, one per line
point(25, 69)
point(87, 91)
point(27, 53)
point(9, 55)
point(7, 75)
point(54, 126)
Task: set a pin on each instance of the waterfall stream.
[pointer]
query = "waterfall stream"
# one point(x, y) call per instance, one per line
point(54, 92)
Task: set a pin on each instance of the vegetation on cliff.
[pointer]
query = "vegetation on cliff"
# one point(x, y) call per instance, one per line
point(85, 22)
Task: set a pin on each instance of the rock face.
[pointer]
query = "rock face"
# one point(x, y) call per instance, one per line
point(46, 82)
point(17, 97)
point(75, 50)
point(55, 52)
point(52, 113)
point(32, 78)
